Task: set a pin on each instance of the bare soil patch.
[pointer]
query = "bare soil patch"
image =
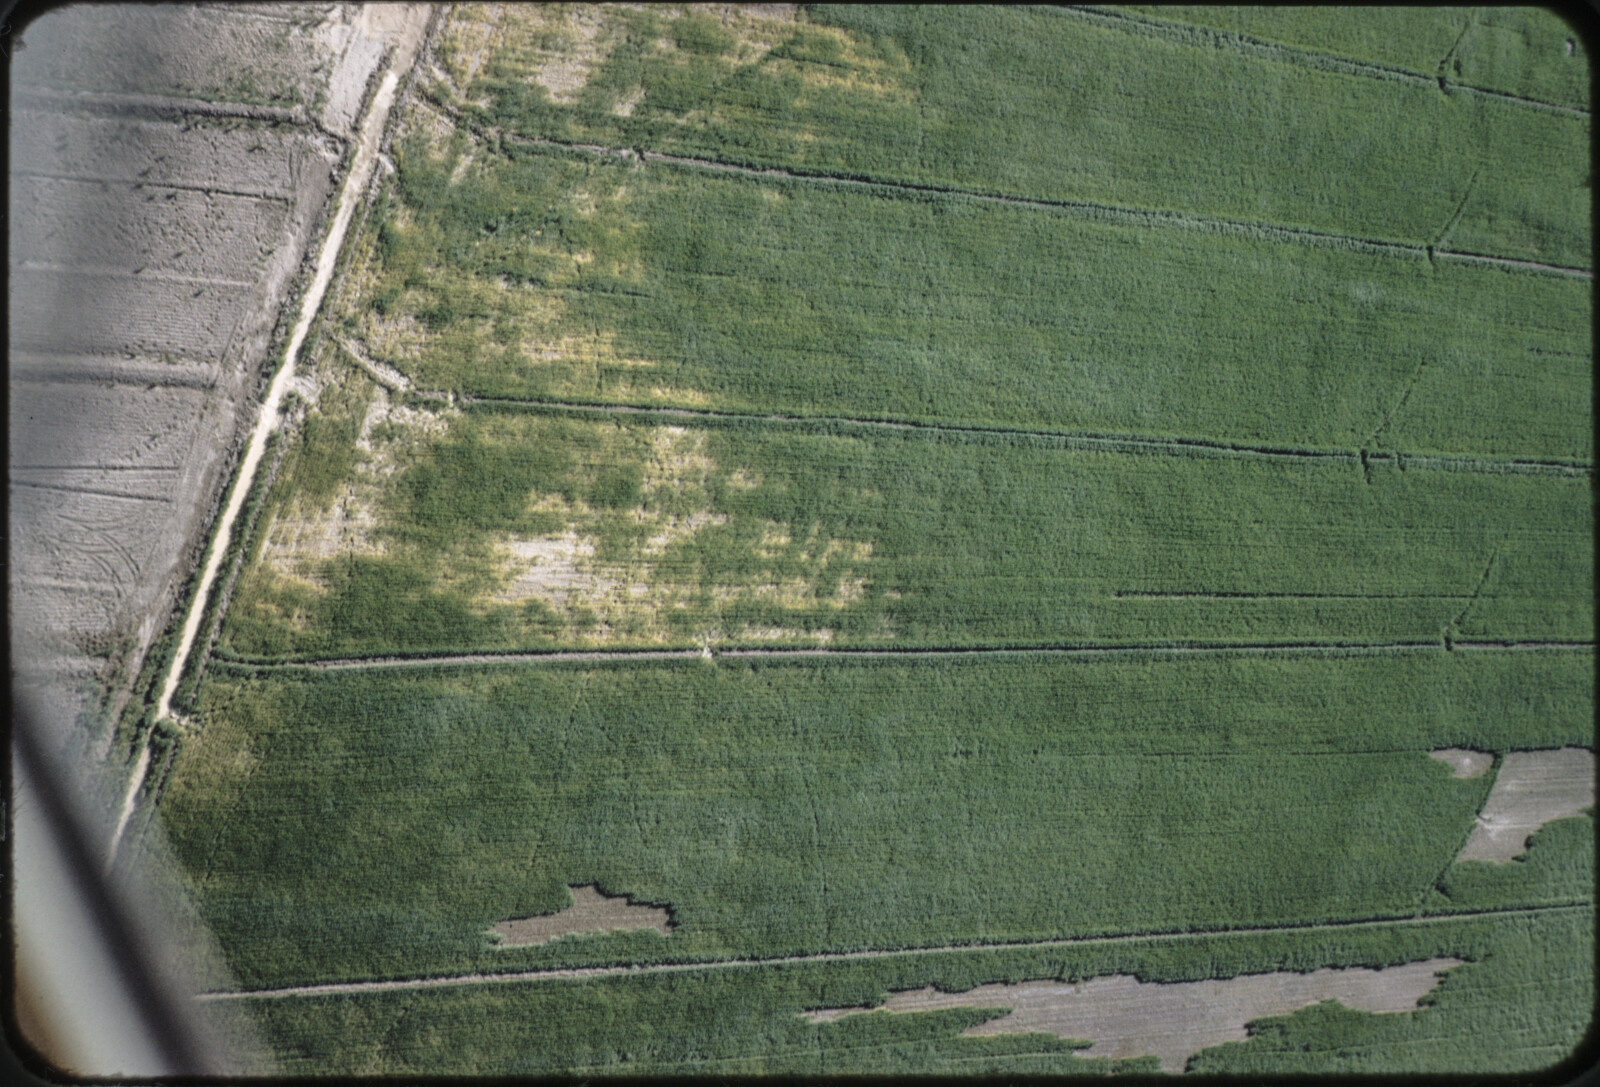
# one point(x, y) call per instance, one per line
point(1464, 762)
point(591, 911)
point(1532, 789)
point(1125, 1017)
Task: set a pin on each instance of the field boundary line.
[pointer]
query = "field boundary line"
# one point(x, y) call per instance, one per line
point(565, 656)
point(25, 97)
point(1086, 209)
point(561, 973)
point(1196, 34)
point(1084, 440)
point(180, 186)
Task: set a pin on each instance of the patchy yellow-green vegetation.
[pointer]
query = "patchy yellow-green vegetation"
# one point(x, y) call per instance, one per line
point(503, 529)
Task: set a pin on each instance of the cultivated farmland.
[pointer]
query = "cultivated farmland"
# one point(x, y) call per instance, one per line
point(869, 540)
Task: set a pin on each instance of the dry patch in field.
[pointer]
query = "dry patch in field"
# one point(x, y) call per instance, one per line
point(634, 595)
point(1464, 762)
point(591, 911)
point(1533, 788)
point(554, 569)
point(300, 540)
point(1125, 1017)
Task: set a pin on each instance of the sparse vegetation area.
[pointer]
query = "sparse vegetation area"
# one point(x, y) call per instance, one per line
point(1129, 483)
point(507, 529)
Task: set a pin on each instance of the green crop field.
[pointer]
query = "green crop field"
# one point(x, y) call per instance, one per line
point(893, 501)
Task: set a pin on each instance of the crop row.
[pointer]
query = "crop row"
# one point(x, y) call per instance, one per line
point(537, 274)
point(511, 528)
point(1520, 1003)
point(376, 824)
point(1031, 103)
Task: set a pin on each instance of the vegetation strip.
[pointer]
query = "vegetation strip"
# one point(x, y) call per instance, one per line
point(1111, 443)
point(560, 656)
point(1192, 34)
point(850, 956)
point(1085, 208)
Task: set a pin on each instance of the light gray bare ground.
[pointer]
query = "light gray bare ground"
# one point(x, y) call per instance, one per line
point(226, 56)
point(153, 246)
point(591, 911)
point(1464, 762)
point(1125, 1017)
point(1532, 789)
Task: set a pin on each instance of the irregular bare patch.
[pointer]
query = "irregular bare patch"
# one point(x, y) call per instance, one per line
point(1464, 762)
point(1532, 789)
point(554, 569)
point(851, 69)
point(581, 49)
point(591, 911)
point(299, 541)
point(1125, 1017)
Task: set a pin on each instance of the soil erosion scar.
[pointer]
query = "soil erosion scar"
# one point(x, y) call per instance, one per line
point(1126, 1017)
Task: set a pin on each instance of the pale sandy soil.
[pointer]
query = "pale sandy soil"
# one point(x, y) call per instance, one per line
point(1125, 1017)
point(1464, 762)
point(1532, 789)
point(591, 911)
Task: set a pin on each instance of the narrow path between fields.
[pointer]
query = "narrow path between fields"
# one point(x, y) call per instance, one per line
point(854, 956)
point(1191, 33)
point(1086, 208)
point(404, 53)
point(560, 656)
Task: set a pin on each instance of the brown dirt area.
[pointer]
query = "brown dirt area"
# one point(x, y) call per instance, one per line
point(591, 911)
point(1533, 788)
point(1125, 1017)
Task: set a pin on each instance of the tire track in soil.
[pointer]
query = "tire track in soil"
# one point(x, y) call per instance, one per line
point(339, 987)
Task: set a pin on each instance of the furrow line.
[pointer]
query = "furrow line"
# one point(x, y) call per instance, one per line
point(1193, 34)
point(111, 102)
point(1087, 440)
point(332, 988)
point(137, 183)
point(1087, 209)
point(97, 270)
point(1169, 649)
point(90, 490)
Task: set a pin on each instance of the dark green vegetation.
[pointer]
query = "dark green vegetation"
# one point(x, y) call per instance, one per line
point(376, 823)
point(554, 277)
point(1136, 425)
point(926, 539)
point(1529, 51)
point(1509, 1008)
point(986, 101)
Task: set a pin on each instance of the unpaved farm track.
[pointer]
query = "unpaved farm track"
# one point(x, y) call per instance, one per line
point(855, 956)
point(407, 45)
point(1159, 650)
